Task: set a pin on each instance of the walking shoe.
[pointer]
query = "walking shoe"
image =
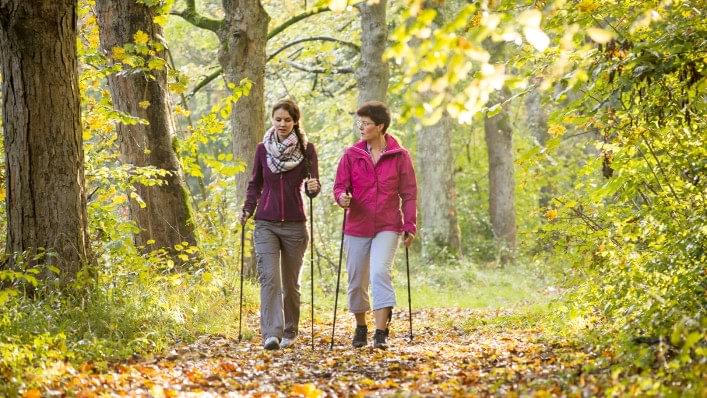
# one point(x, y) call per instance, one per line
point(360, 338)
point(380, 339)
point(272, 343)
point(287, 341)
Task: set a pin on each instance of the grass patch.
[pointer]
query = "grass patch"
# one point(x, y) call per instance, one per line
point(469, 285)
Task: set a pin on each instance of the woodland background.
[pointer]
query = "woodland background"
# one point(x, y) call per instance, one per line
point(559, 148)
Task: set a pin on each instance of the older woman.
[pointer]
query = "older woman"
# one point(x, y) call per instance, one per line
point(375, 181)
point(282, 162)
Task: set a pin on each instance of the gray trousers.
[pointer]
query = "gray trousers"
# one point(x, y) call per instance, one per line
point(279, 249)
point(370, 260)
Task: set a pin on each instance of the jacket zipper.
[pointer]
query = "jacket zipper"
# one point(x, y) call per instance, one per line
point(282, 200)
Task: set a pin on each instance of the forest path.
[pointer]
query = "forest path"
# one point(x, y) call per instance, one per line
point(445, 359)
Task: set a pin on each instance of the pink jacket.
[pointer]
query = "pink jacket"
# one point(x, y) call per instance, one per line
point(377, 190)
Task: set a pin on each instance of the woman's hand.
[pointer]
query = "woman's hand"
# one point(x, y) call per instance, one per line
point(244, 217)
point(408, 238)
point(345, 200)
point(312, 185)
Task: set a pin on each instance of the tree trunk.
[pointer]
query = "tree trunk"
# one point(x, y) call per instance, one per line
point(166, 219)
point(46, 199)
point(536, 120)
point(499, 141)
point(440, 228)
point(372, 71)
point(242, 56)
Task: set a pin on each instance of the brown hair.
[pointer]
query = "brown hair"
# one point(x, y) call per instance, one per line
point(377, 111)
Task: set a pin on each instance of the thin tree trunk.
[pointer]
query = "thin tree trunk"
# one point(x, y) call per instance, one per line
point(536, 120)
point(440, 228)
point(499, 141)
point(372, 71)
point(242, 56)
point(166, 219)
point(46, 199)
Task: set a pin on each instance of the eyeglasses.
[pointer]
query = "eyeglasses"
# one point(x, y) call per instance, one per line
point(362, 124)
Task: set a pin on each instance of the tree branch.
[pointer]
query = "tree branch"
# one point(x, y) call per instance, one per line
point(314, 38)
point(206, 81)
point(296, 19)
point(190, 15)
point(310, 69)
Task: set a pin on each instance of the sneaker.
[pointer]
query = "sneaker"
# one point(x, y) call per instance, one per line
point(287, 341)
point(272, 343)
point(361, 336)
point(380, 339)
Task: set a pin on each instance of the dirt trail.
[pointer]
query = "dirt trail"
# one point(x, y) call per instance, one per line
point(443, 360)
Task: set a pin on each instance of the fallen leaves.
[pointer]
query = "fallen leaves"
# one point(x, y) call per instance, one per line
point(443, 360)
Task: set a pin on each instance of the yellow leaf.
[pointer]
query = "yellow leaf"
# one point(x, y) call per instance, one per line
point(141, 37)
point(160, 20)
point(587, 6)
point(599, 35)
point(118, 53)
point(556, 130)
point(120, 199)
point(156, 63)
point(551, 214)
point(308, 390)
point(144, 104)
point(179, 110)
point(33, 393)
point(157, 391)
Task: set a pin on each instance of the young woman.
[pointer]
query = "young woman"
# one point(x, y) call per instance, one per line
point(283, 161)
point(375, 181)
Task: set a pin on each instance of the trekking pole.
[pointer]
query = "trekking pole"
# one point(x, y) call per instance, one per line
point(240, 307)
point(407, 266)
point(338, 278)
point(311, 260)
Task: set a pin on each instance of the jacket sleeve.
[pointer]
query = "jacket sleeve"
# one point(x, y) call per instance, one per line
point(313, 167)
point(342, 183)
point(407, 189)
point(255, 185)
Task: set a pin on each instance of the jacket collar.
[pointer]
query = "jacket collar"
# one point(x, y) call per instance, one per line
point(391, 143)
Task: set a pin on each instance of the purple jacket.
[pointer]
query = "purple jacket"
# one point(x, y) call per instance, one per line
point(278, 196)
point(377, 190)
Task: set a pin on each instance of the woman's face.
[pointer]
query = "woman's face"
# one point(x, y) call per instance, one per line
point(283, 122)
point(370, 131)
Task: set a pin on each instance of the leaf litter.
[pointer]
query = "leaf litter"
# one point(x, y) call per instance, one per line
point(443, 359)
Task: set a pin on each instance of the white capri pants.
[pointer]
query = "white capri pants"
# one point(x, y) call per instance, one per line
point(370, 260)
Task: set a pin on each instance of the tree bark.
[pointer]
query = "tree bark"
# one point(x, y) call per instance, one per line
point(536, 121)
point(440, 228)
point(166, 219)
point(372, 72)
point(46, 199)
point(499, 141)
point(242, 55)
